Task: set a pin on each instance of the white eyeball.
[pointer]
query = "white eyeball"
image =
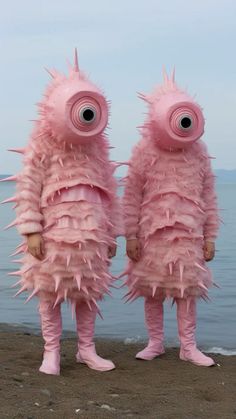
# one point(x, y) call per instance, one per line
point(185, 122)
point(87, 114)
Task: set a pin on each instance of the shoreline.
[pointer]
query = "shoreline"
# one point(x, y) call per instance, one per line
point(165, 388)
point(126, 341)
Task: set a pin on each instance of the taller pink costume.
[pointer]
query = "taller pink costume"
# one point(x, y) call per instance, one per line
point(67, 192)
point(170, 206)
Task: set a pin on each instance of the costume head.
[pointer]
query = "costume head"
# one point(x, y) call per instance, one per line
point(74, 109)
point(175, 119)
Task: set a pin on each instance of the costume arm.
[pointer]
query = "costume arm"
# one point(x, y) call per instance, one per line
point(28, 192)
point(211, 225)
point(133, 194)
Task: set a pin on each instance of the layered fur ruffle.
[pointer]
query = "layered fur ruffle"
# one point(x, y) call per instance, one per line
point(76, 234)
point(170, 206)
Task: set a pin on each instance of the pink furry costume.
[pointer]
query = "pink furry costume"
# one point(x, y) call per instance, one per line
point(170, 206)
point(67, 192)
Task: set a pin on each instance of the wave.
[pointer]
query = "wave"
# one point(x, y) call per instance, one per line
point(221, 351)
point(212, 350)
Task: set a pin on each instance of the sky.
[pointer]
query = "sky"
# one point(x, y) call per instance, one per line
point(122, 46)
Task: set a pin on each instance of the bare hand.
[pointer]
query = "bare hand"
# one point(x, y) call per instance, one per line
point(209, 250)
point(133, 249)
point(112, 251)
point(36, 245)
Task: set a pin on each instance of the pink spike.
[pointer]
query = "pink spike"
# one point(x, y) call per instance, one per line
point(57, 280)
point(182, 291)
point(200, 267)
point(203, 286)
point(50, 72)
point(168, 214)
point(144, 97)
point(133, 297)
point(68, 258)
point(85, 290)
point(17, 260)
point(98, 308)
point(35, 291)
point(171, 268)
point(173, 75)
point(154, 288)
point(96, 276)
point(17, 150)
point(89, 305)
point(98, 254)
point(165, 76)
point(17, 252)
point(14, 223)
point(16, 273)
point(181, 271)
point(58, 299)
point(17, 283)
point(12, 199)
point(20, 291)
point(61, 162)
point(76, 63)
point(90, 265)
point(9, 179)
point(78, 280)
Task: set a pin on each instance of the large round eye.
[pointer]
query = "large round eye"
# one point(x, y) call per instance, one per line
point(87, 114)
point(185, 122)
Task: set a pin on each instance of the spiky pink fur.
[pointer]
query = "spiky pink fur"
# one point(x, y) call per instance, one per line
point(76, 264)
point(170, 206)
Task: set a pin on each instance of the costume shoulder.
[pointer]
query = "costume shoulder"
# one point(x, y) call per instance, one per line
point(200, 150)
point(142, 155)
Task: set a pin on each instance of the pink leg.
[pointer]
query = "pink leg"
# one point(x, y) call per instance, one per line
point(186, 317)
point(51, 325)
point(86, 354)
point(154, 322)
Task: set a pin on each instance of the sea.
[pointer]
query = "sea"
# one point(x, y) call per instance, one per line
point(216, 328)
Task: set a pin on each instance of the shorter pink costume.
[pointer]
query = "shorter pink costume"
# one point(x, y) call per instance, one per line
point(170, 206)
point(67, 193)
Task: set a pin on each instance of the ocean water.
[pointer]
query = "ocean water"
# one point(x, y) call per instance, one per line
point(216, 320)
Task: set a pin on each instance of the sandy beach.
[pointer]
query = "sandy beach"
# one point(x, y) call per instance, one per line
point(165, 388)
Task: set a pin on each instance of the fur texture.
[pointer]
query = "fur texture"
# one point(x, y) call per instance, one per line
point(170, 206)
point(76, 234)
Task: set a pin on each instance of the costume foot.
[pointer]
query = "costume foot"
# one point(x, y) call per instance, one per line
point(94, 361)
point(51, 363)
point(196, 357)
point(151, 352)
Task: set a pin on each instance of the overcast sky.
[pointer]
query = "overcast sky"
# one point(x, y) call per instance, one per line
point(122, 46)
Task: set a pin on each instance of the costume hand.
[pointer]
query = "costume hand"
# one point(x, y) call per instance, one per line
point(36, 245)
point(209, 250)
point(133, 249)
point(112, 251)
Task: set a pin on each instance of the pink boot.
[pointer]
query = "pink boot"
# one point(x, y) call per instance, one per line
point(154, 322)
point(86, 349)
point(186, 316)
point(51, 325)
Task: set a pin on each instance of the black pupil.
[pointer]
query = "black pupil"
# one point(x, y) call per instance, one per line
point(88, 115)
point(185, 122)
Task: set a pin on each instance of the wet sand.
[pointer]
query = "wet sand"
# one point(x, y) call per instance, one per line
point(165, 388)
